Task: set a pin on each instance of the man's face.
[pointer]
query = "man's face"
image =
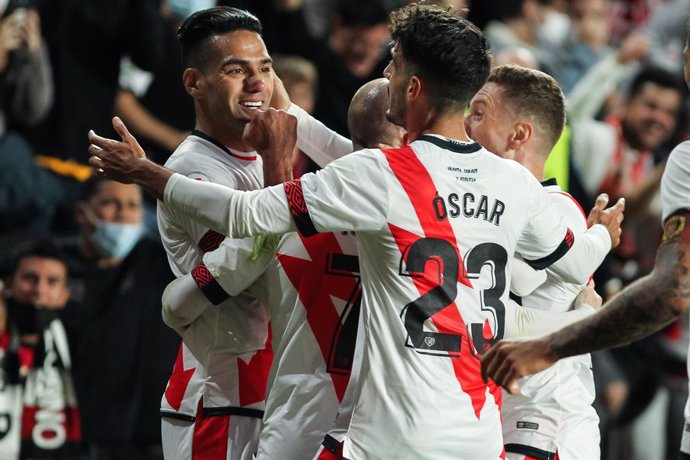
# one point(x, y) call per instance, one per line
point(398, 81)
point(116, 202)
point(40, 281)
point(238, 78)
point(650, 117)
point(488, 123)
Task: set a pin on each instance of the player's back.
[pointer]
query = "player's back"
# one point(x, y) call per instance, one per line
point(314, 294)
point(434, 284)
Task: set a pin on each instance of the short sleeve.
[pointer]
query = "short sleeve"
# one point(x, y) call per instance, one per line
point(675, 183)
point(546, 238)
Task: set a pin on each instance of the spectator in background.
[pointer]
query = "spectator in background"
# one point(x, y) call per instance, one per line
point(26, 95)
point(86, 41)
point(587, 42)
point(122, 351)
point(300, 80)
point(615, 156)
point(516, 23)
point(351, 55)
point(155, 104)
point(36, 293)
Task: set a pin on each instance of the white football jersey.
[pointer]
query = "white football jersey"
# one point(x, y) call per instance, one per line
point(312, 287)
point(436, 222)
point(223, 359)
point(553, 411)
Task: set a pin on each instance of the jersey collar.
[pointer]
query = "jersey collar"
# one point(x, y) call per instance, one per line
point(549, 182)
point(248, 156)
point(451, 144)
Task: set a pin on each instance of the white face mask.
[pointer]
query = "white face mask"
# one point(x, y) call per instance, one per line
point(113, 240)
point(555, 28)
point(185, 8)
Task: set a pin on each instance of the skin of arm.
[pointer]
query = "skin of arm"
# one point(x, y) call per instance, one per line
point(641, 309)
point(126, 162)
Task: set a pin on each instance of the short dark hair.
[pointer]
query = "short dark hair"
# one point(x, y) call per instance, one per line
point(535, 95)
point(196, 32)
point(447, 51)
point(658, 76)
point(43, 249)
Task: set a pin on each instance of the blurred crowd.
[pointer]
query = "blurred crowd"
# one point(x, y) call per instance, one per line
point(83, 256)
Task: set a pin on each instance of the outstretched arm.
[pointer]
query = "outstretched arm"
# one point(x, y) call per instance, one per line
point(639, 310)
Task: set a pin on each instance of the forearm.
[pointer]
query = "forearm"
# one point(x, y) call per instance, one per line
point(183, 302)
point(316, 140)
point(230, 212)
point(531, 322)
point(584, 257)
point(642, 308)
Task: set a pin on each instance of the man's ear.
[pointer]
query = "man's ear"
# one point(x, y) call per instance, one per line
point(193, 83)
point(521, 134)
point(414, 88)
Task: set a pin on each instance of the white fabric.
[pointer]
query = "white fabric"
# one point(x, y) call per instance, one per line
point(410, 399)
point(307, 297)
point(675, 183)
point(553, 411)
point(316, 140)
point(222, 341)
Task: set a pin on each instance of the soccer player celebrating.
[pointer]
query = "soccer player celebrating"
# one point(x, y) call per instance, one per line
point(436, 222)
point(519, 114)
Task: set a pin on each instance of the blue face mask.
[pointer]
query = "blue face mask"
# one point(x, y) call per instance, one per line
point(185, 8)
point(113, 240)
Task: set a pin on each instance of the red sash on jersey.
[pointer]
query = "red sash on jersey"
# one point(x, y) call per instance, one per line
point(421, 190)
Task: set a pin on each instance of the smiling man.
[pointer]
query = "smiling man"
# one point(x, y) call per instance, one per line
point(214, 401)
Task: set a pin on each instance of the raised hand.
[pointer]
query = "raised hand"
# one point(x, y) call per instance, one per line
point(116, 160)
point(611, 218)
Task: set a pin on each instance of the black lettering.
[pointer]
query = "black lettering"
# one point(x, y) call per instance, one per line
point(467, 199)
point(453, 202)
point(496, 212)
point(439, 207)
point(483, 208)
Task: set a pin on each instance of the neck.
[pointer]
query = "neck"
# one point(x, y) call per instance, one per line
point(451, 126)
point(533, 162)
point(229, 135)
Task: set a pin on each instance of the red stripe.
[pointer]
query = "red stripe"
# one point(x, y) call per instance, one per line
point(421, 190)
point(325, 454)
point(178, 382)
point(316, 289)
point(210, 439)
point(253, 376)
